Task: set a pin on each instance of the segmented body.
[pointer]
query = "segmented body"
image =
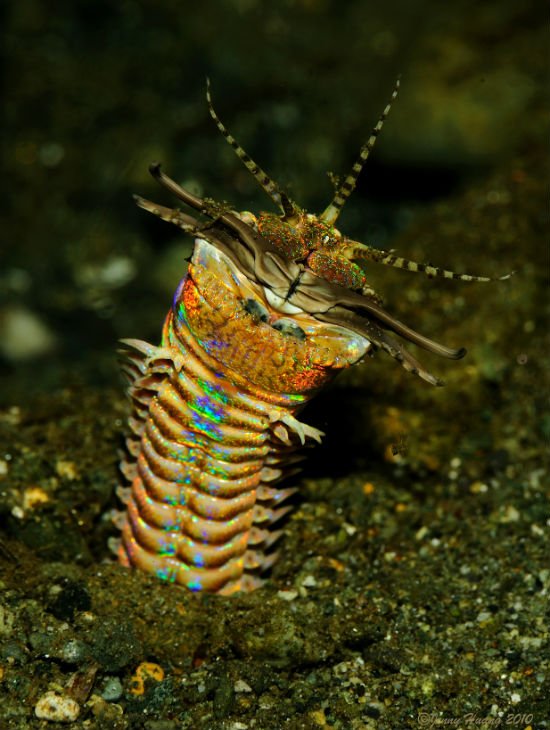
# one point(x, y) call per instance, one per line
point(214, 429)
point(270, 309)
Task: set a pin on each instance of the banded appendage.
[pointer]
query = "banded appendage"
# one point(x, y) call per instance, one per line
point(279, 197)
point(205, 456)
point(333, 255)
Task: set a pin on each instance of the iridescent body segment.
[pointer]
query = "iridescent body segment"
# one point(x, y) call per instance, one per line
point(270, 310)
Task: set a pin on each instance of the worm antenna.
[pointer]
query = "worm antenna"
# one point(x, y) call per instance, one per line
point(170, 215)
point(177, 190)
point(356, 251)
point(269, 185)
point(345, 189)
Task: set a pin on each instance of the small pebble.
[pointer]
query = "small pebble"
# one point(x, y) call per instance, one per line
point(421, 533)
point(67, 469)
point(287, 595)
point(242, 686)
point(23, 335)
point(160, 725)
point(34, 496)
point(74, 651)
point(56, 707)
point(112, 689)
point(483, 616)
point(510, 514)
point(478, 488)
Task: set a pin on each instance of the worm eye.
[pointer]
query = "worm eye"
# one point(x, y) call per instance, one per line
point(288, 327)
point(257, 310)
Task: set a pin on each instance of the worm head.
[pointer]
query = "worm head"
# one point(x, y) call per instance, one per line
point(302, 262)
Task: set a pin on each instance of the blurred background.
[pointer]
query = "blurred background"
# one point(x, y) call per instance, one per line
point(95, 91)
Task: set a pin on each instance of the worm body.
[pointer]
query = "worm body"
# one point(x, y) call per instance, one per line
point(214, 429)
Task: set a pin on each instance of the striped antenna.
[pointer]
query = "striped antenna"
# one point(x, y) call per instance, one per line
point(357, 251)
point(269, 185)
point(345, 189)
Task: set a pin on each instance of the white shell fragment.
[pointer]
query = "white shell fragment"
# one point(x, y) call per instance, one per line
point(56, 707)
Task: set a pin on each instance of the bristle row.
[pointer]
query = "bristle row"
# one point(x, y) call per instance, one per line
point(202, 501)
